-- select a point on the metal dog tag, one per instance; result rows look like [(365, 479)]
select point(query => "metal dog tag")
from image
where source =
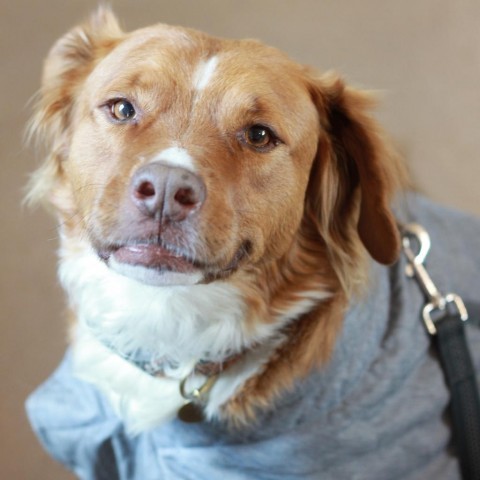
[(191, 412)]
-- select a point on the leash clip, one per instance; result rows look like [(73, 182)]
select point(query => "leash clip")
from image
[(438, 305)]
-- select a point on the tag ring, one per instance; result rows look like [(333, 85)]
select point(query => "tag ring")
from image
[(197, 394)]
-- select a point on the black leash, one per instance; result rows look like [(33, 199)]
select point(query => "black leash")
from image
[(444, 317), (465, 404)]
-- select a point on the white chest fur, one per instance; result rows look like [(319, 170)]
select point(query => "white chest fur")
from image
[(181, 324)]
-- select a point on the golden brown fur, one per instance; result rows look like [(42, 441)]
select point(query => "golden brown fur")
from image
[(310, 211)]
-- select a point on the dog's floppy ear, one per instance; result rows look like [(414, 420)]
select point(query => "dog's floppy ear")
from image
[(355, 173), (67, 66)]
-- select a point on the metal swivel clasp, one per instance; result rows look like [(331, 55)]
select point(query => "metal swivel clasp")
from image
[(416, 239)]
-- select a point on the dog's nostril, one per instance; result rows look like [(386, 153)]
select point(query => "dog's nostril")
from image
[(145, 189), (186, 197)]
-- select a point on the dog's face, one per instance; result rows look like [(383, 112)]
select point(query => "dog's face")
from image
[(183, 158), (190, 156)]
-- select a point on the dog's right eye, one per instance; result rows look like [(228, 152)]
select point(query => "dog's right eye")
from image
[(122, 110)]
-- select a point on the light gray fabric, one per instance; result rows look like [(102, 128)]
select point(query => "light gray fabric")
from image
[(377, 411)]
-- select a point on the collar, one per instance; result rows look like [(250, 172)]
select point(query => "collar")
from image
[(195, 398), (164, 367)]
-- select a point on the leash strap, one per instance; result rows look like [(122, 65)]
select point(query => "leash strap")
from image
[(444, 317), (465, 404)]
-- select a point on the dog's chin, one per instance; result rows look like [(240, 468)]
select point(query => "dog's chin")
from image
[(153, 265), (155, 276)]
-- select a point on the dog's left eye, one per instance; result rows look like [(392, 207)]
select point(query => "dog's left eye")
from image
[(122, 110), (259, 137)]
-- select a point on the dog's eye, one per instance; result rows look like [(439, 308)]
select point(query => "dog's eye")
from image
[(122, 110), (259, 136)]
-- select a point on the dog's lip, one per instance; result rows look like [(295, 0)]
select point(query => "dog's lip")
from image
[(160, 257), (150, 256)]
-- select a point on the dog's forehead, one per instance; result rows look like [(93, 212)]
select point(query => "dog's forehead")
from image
[(191, 59)]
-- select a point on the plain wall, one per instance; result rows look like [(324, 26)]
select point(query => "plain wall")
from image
[(423, 56)]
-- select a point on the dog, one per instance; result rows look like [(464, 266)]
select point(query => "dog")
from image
[(221, 210)]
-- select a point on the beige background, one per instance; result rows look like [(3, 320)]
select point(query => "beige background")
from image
[(424, 55)]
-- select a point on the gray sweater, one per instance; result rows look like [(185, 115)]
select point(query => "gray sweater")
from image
[(377, 411)]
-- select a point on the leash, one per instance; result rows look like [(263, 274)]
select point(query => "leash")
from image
[(444, 317)]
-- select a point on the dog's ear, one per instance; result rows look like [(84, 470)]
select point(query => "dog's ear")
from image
[(355, 174), (70, 61), (67, 66)]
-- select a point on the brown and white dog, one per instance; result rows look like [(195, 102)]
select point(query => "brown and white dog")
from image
[(217, 205)]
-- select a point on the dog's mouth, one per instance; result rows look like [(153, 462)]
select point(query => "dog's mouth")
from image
[(153, 256), (152, 264), (160, 265)]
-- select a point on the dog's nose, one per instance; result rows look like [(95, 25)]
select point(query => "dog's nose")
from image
[(166, 192)]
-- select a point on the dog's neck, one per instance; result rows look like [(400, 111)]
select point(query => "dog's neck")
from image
[(178, 324), (181, 325)]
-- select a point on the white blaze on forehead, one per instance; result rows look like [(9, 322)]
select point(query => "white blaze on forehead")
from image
[(175, 157), (204, 72)]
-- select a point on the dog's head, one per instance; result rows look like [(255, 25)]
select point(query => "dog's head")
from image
[(181, 158)]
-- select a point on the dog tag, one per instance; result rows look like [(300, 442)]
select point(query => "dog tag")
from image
[(191, 412)]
